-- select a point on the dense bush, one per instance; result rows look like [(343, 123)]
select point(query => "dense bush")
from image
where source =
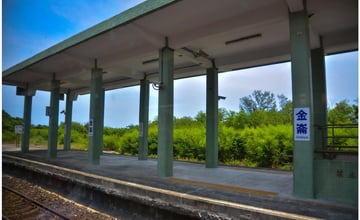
[(153, 140), (8, 127), (111, 143), (265, 146), (39, 136), (189, 143), (8, 136), (260, 138), (129, 142)]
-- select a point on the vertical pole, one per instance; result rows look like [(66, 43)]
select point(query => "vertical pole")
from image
[(68, 121), (96, 110), (143, 119), (319, 95), (102, 113), (211, 117), (53, 118), (302, 98), (27, 124), (166, 99)]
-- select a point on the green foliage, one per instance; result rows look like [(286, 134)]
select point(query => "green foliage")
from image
[(237, 120), (189, 143), (258, 100), (79, 128), (343, 138), (39, 136), (8, 122), (153, 139), (8, 127), (343, 113), (262, 137), (129, 142), (110, 143), (231, 145), (265, 146), (200, 117)]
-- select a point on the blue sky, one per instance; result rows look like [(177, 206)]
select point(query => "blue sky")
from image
[(31, 26)]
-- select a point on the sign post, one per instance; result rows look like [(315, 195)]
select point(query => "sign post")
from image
[(91, 127), (48, 111), (19, 130), (302, 124)]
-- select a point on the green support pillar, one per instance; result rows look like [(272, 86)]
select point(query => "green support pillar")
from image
[(68, 121), (319, 94), (166, 99), (143, 119), (96, 111), (102, 113), (212, 117), (25, 142), (302, 99), (54, 118)]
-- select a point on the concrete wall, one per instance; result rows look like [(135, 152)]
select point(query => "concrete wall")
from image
[(336, 180)]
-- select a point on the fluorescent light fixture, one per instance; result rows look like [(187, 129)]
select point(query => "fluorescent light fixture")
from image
[(150, 61), (243, 38)]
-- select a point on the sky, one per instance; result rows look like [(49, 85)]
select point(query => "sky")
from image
[(31, 26)]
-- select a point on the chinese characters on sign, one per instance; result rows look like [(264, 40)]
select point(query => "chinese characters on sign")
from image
[(91, 127), (48, 111), (302, 124)]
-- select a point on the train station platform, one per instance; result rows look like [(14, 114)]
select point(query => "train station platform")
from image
[(223, 192)]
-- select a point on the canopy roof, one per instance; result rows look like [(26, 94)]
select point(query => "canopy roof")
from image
[(234, 33)]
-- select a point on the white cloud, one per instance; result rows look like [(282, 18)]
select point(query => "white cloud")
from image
[(122, 107), (236, 84), (342, 77), (189, 96)]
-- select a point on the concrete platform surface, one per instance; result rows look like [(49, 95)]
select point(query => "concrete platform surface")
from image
[(263, 188)]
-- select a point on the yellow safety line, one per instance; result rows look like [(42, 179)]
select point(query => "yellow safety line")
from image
[(270, 212), (259, 170), (224, 187)]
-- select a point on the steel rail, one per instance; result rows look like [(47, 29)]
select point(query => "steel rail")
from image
[(36, 202)]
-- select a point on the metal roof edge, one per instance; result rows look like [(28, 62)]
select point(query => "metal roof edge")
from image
[(120, 19)]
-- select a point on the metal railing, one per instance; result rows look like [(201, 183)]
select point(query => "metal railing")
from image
[(338, 139)]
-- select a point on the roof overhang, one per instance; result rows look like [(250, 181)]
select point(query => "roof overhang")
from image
[(235, 33)]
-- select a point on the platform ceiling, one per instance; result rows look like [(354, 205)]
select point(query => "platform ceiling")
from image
[(235, 33)]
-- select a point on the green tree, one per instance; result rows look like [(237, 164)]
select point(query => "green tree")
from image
[(183, 122), (237, 120), (342, 113), (283, 101), (201, 117), (8, 126), (355, 115), (258, 100), (285, 115)]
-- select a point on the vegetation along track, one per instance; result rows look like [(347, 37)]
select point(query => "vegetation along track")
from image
[(24, 200)]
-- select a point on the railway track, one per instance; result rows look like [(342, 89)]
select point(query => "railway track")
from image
[(23, 200), (20, 206)]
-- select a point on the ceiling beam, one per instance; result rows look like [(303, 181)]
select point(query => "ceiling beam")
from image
[(199, 57), (295, 5)]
